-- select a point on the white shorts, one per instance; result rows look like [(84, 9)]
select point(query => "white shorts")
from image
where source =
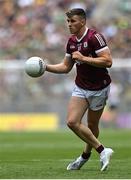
[(96, 99)]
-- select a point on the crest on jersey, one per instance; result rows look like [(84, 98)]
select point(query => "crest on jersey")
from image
[(79, 46)]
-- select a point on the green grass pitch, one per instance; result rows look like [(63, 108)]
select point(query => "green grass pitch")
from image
[(45, 155)]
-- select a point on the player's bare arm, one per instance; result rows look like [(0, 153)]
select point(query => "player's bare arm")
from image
[(104, 59), (61, 68)]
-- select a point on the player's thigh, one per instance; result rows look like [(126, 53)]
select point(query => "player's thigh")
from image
[(76, 109), (93, 117)]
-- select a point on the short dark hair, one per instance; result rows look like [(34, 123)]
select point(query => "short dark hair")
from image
[(76, 11)]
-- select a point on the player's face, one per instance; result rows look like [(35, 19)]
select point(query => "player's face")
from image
[(75, 23)]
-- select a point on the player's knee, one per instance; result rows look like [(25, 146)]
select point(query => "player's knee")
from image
[(72, 124)]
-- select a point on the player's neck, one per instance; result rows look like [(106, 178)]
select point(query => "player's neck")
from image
[(81, 32)]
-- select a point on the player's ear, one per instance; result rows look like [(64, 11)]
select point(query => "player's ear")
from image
[(83, 22)]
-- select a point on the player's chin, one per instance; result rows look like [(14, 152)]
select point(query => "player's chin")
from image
[(72, 31)]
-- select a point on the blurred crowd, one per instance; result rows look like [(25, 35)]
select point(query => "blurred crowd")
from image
[(38, 27)]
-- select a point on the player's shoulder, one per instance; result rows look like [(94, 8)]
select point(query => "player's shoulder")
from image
[(72, 38), (96, 37), (93, 33)]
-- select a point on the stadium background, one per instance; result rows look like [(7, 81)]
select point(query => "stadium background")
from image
[(37, 28)]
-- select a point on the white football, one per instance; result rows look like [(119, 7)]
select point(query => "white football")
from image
[(35, 66)]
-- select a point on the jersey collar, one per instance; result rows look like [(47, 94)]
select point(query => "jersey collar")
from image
[(82, 36)]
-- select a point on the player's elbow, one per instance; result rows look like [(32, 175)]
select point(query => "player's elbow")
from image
[(109, 64), (67, 71)]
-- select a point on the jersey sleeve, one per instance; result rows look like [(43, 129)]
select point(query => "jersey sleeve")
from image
[(68, 52), (98, 42)]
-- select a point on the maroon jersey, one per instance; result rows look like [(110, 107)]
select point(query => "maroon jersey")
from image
[(89, 77)]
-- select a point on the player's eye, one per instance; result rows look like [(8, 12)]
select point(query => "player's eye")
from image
[(68, 21), (72, 21)]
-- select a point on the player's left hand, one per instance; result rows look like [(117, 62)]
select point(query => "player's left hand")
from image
[(77, 56)]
